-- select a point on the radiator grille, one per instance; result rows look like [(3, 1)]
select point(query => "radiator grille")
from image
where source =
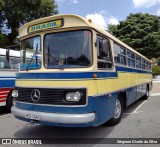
[(49, 96)]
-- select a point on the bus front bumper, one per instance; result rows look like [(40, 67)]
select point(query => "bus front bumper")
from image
[(54, 117)]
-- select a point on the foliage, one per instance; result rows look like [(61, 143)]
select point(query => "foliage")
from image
[(17, 12), (156, 70), (3, 40), (141, 32), (1, 14), (158, 61)]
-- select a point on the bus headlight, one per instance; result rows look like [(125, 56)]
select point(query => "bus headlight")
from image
[(15, 93), (73, 96)]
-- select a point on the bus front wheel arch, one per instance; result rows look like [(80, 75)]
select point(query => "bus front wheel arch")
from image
[(118, 111)]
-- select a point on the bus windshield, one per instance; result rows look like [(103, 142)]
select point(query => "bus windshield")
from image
[(31, 54), (68, 49)]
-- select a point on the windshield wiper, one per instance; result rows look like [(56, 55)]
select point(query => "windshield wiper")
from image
[(34, 55), (53, 59)]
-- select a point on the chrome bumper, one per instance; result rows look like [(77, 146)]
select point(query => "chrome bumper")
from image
[(56, 117)]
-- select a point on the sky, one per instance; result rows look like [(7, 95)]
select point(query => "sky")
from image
[(104, 12)]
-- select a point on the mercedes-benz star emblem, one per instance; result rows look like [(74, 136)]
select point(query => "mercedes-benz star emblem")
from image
[(35, 95)]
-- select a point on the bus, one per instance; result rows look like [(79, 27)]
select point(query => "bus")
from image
[(9, 65), (79, 74)]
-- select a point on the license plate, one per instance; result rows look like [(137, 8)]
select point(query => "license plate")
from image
[(33, 116)]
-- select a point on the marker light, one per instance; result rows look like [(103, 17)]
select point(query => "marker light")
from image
[(15, 93), (90, 20), (73, 96)]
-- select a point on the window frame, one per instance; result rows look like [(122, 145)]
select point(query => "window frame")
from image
[(120, 55), (90, 30), (110, 52), (39, 35), (131, 59), (138, 61)]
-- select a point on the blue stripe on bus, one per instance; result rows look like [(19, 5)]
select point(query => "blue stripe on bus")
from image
[(78, 75), (7, 83), (82, 75), (7, 77), (126, 69)]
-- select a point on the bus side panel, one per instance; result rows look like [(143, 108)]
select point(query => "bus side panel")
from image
[(7, 83), (139, 92), (105, 106), (5, 87), (131, 95), (144, 86)]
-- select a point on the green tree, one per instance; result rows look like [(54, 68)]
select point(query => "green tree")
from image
[(3, 40), (2, 3), (156, 70), (141, 32), (18, 12), (158, 61)]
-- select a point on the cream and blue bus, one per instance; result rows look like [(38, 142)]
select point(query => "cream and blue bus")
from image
[(79, 74)]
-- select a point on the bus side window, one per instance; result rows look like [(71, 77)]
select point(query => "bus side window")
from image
[(103, 53), (131, 59), (119, 54)]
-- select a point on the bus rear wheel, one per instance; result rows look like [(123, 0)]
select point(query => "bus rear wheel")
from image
[(147, 95), (117, 112)]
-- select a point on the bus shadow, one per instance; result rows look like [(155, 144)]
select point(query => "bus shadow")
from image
[(3, 111), (133, 108)]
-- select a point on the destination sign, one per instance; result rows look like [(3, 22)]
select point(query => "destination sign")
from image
[(46, 25)]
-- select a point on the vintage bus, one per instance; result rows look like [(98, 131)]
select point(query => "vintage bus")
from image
[(9, 65), (79, 74)]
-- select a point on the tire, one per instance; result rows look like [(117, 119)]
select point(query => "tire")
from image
[(147, 95), (117, 113), (9, 102)]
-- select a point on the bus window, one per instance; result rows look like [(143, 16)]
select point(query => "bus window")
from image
[(31, 53), (119, 54), (15, 62), (4, 63), (116, 53), (131, 59), (138, 62), (147, 66), (70, 49), (103, 53), (143, 64)]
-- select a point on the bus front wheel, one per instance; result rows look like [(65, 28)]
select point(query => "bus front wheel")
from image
[(117, 112)]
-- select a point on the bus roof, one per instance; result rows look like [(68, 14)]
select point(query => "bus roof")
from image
[(67, 21), (12, 53), (2, 51)]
